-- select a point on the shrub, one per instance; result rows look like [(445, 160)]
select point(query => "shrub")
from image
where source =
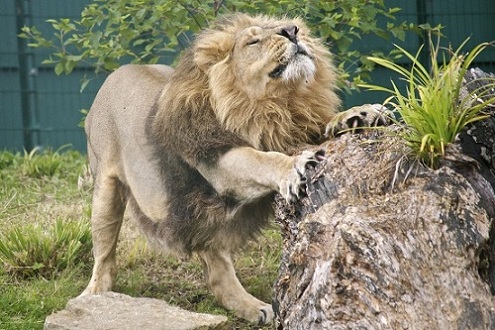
[(112, 32)]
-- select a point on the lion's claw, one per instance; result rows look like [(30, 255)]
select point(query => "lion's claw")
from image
[(296, 180), (357, 118)]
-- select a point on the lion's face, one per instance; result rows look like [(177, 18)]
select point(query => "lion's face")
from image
[(272, 54), (258, 55)]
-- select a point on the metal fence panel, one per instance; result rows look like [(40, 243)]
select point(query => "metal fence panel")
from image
[(38, 108), (10, 114)]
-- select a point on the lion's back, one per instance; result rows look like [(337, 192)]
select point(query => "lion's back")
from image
[(128, 88), (116, 123)]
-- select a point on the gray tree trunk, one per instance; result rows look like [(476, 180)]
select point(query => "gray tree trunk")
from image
[(381, 242)]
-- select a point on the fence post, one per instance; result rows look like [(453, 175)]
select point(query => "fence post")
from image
[(27, 77), (423, 16)]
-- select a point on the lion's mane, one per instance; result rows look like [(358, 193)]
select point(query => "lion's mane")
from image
[(205, 80)]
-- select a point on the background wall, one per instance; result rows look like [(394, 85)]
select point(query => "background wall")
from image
[(38, 108)]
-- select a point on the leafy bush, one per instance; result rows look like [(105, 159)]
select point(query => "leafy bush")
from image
[(27, 251), (112, 32), (432, 109)]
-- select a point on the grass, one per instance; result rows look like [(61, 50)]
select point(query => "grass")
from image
[(39, 190), (432, 109), (31, 250)]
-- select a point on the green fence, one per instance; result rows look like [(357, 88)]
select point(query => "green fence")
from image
[(38, 108)]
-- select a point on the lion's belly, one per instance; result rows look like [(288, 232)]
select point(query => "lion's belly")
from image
[(146, 186), (140, 167)]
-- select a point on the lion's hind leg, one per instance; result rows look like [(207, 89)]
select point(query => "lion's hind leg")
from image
[(223, 282), (106, 220)]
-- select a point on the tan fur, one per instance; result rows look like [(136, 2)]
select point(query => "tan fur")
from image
[(196, 154)]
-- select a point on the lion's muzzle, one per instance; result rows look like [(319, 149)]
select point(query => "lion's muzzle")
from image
[(290, 32)]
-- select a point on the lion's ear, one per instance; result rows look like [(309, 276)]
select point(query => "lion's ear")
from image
[(212, 48)]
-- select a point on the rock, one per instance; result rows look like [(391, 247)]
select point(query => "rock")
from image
[(112, 310)]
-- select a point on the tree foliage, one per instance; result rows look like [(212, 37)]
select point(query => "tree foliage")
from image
[(112, 32)]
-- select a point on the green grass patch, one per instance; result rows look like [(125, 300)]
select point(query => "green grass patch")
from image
[(24, 304), (29, 250)]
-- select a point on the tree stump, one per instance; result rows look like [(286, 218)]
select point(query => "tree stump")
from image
[(381, 242)]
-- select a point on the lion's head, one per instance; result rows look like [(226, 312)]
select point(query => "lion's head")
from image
[(265, 79)]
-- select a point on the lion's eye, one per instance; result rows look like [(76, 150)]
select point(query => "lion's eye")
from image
[(252, 42)]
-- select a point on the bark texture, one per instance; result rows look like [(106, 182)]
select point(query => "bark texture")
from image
[(381, 242)]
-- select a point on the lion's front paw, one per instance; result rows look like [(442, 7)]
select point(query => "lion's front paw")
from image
[(357, 118), (290, 188)]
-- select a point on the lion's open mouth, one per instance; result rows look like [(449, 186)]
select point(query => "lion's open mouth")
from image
[(297, 59), (278, 71), (303, 52)]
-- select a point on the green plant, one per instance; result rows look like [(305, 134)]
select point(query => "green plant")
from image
[(432, 109), (112, 32), (6, 159), (39, 163), (28, 250), (36, 164)]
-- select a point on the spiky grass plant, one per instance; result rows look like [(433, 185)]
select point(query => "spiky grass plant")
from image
[(432, 109), (38, 162), (27, 251)]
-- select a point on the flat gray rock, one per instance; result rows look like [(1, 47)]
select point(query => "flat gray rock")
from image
[(112, 310)]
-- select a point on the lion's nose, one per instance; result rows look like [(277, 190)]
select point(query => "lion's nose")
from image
[(290, 32)]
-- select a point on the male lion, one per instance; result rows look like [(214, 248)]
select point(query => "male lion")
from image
[(196, 154)]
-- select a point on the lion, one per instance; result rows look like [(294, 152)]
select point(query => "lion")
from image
[(196, 154)]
